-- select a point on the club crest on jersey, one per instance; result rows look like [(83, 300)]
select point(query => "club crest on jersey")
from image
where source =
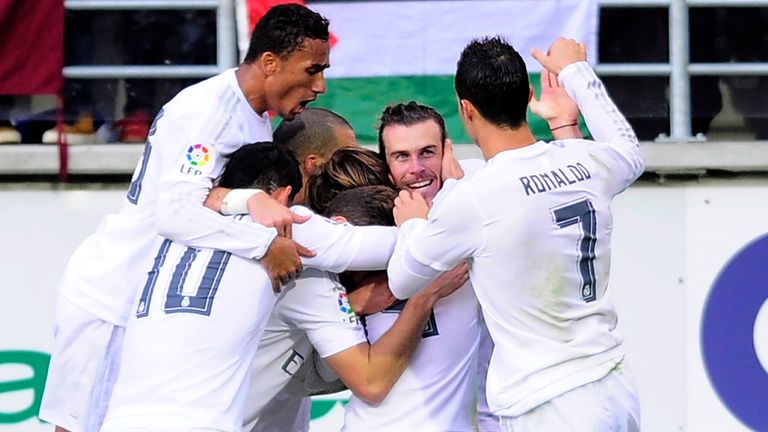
[(345, 307), (197, 156)]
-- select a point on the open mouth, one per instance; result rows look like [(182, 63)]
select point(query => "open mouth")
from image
[(303, 104), (421, 184)]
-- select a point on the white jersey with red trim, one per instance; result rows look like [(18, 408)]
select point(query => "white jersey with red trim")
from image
[(188, 146), (536, 224)]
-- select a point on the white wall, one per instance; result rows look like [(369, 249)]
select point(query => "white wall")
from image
[(670, 244)]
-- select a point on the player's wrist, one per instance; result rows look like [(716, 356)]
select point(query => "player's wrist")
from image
[(561, 124), (236, 201)]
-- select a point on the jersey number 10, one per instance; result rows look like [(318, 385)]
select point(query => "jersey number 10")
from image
[(176, 301)]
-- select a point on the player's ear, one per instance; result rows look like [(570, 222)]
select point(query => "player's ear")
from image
[(339, 219), (466, 110), (311, 164), (283, 195), (269, 62), (530, 93)]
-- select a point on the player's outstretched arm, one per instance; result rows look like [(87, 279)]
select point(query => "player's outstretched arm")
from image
[(604, 120), (282, 260), (556, 108), (425, 248), (341, 247), (371, 371), (262, 208), (182, 187)]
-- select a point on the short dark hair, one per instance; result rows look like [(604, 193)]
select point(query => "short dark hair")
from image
[(262, 165), (311, 131), (367, 205), (283, 29), (347, 168), (493, 76), (408, 114)]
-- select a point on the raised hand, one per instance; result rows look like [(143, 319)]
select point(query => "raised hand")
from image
[(556, 107), (282, 261), (560, 54), (409, 206), (270, 212), (450, 281), (450, 166)]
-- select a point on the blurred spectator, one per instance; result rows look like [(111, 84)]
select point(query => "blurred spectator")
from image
[(8, 133), (122, 109), (742, 36)]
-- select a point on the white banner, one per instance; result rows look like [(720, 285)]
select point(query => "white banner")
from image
[(426, 37)]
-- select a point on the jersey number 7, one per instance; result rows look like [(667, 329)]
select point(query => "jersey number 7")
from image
[(583, 213)]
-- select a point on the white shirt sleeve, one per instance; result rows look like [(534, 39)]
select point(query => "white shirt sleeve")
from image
[(184, 184), (318, 305), (614, 137), (340, 247), (425, 249)]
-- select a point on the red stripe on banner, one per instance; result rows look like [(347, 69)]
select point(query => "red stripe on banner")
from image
[(31, 46), (257, 9)]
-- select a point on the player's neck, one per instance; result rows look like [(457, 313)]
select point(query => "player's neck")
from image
[(493, 140), (250, 82)]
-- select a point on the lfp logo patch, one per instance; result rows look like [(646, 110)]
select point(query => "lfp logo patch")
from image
[(345, 307), (197, 155)]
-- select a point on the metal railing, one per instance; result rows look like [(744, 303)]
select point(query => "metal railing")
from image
[(680, 69), (226, 50)]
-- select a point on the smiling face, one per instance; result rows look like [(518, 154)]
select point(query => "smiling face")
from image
[(414, 155), (297, 78)]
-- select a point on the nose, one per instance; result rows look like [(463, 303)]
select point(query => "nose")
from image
[(318, 84), (415, 166)]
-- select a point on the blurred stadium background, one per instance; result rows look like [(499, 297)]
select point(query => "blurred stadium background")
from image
[(80, 81)]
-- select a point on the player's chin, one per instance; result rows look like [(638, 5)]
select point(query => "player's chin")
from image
[(289, 115), (428, 192)]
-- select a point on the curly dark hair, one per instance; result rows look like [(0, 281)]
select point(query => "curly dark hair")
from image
[(283, 29)]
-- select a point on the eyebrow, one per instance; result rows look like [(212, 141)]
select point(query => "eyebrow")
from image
[(399, 152)]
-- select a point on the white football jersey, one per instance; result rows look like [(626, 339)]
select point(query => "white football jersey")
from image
[(314, 312), (188, 145), (536, 224), (436, 392), (187, 350), (200, 314), (437, 378)]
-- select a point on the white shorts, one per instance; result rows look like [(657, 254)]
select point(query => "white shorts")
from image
[(82, 370), (609, 404)]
